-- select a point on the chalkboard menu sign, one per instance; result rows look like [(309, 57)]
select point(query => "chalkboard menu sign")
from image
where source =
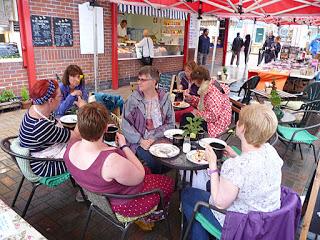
[(166, 82), (41, 31), (63, 35)]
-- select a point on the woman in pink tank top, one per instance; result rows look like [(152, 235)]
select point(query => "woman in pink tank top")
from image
[(102, 169)]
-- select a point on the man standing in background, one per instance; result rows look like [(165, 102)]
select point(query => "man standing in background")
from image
[(203, 47), (122, 30), (236, 48)]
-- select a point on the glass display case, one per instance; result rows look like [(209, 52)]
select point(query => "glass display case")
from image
[(167, 36), (159, 51)]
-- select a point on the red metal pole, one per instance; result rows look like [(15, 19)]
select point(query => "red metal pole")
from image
[(225, 43), (114, 45), (186, 40), (26, 40)]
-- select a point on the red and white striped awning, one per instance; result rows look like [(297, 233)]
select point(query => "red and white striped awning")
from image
[(271, 10)]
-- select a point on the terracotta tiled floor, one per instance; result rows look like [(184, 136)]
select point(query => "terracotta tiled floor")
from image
[(56, 214)]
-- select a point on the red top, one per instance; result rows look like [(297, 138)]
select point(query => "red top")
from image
[(92, 180)]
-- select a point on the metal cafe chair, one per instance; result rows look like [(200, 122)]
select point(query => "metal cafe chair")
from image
[(101, 205), (290, 201), (248, 85), (21, 158), (303, 132)]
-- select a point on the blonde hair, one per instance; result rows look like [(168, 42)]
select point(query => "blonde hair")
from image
[(259, 122)]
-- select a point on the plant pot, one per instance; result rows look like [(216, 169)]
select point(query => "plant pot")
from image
[(26, 104)]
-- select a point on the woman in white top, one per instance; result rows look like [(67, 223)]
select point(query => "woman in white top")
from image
[(146, 45), (247, 182)]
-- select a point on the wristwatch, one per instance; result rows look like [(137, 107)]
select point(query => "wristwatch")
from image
[(211, 171), (122, 147)]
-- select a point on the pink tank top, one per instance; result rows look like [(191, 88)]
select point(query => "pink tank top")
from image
[(92, 180)]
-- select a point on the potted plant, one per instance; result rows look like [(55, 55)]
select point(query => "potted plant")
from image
[(26, 101), (276, 101), (193, 127), (224, 76), (8, 100)]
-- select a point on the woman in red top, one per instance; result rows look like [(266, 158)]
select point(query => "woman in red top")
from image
[(213, 105), (102, 169)]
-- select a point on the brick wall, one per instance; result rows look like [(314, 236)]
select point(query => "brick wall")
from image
[(52, 60), (13, 76)]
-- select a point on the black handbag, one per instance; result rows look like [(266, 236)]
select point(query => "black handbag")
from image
[(146, 60)]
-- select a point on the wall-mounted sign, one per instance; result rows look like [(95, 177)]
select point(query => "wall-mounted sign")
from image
[(63, 34), (41, 31)]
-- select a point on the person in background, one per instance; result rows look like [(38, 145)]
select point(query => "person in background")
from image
[(72, 89), (39, 130), (203, 47), (247, 182), (315, 46), (213, 105), (146, 44), (277, 47), (269, 48), (92, 164), (122, 30), (236, 48), (185, 78), (246, 48), (147, 113)]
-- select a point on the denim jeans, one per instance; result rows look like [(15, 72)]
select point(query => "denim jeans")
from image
[(202, 58), (190, 196), (152, 163)]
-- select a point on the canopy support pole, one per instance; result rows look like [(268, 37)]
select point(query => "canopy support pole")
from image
[(214, 50), (196, 49), (95, 49), (114, 46), (225, 42), (186, 39)]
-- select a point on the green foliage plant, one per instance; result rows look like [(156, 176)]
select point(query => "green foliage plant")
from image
[(192, 127), (24, 94)]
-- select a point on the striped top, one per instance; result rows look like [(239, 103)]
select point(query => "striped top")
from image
[(39, 134)]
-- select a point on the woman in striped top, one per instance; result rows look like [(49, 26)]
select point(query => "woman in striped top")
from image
[(38, 129)]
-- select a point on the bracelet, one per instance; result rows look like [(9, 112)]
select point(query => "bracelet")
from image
[(210, 171), (122, 147)]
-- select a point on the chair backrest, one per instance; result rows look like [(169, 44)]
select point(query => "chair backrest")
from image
[(313, 105), (310, 118), (250, 84), (266, 225), (20, 157), (134, 86), (102, 203), (313, 91)]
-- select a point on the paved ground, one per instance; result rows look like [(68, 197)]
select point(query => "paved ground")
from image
[(56, 214)]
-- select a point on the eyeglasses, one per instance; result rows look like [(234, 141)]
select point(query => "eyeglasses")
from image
[(144, 79)]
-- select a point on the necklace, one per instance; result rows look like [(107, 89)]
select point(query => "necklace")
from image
[(41, 115)]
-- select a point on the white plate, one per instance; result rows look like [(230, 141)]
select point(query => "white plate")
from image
[(169, 133), (181, 105), (69, 119), (197, 157), (205, 141), (164, 150)]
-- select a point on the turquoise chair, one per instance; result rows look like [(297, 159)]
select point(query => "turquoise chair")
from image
[(203, 221), (302, 132), (21, 158)]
